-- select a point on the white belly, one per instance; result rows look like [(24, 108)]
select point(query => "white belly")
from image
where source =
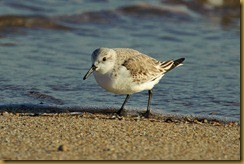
[(122, 84)]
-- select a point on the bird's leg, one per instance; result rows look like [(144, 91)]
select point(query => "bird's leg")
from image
[(148, 112), (122, 111)]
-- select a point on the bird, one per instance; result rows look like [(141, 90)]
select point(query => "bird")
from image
[(128, 71)]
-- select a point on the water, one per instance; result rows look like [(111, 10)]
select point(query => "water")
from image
[(44, 58)]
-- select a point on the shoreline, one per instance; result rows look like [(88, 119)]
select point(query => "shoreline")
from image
[(87, 136), (42, 109)]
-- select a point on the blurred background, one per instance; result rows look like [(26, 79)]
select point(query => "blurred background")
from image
[(45, 49)]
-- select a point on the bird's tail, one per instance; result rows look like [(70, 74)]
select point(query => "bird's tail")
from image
[(169, 65), (178, 62)]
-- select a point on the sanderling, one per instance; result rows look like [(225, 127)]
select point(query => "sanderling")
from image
[(127, 71)]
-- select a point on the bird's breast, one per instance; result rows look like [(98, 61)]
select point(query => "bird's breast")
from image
[(115, 82)]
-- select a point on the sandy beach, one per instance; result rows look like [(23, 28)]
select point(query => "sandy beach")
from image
[(89, 136)]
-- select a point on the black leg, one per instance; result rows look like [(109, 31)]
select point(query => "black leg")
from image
[(148, 112), (122, 111)]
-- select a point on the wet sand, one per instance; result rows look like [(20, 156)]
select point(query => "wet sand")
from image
[(89, 136)]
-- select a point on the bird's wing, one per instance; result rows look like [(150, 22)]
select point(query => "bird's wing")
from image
[(144, 68)]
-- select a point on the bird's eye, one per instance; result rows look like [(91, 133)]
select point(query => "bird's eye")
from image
[(104, 59)]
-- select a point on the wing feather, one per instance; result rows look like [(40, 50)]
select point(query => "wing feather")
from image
[(144, 68)]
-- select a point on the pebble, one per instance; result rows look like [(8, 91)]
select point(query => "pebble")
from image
[(5, 114), (197, 122), (113, 117), (168, 120), (63, 147), (216, 123)]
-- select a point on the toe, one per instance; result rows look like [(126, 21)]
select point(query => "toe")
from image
[(122, 113), (147, 114)]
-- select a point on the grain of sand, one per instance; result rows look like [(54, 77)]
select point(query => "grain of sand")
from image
[(106, 137)]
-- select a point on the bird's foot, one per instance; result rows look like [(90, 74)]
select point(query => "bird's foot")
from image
[(121, 112), (147, 114)]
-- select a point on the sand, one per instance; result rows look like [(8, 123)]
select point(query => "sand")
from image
[(89, 136)]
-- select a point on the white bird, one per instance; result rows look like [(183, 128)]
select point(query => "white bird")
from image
[(127, 71)]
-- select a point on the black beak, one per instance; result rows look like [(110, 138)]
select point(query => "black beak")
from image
[(93, 68)]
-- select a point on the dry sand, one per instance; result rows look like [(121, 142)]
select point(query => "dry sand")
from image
[(106, 137)]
